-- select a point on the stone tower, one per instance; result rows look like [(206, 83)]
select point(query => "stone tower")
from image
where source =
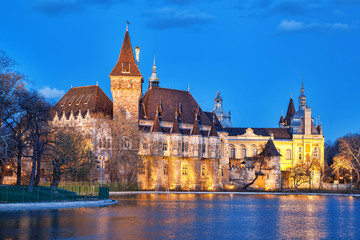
[(126, 82)]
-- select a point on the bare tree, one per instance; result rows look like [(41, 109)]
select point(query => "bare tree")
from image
[(70, 153), (37, 117), (348, 158), (123, 148)]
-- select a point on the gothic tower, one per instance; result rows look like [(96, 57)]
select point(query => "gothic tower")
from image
[(126, 82)]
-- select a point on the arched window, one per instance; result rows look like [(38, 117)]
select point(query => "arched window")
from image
[(108, 143), (100, 143), (104, 143), (232, 152), (288, 154), (243, 152)]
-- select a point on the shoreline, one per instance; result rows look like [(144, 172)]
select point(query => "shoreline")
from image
[(5, 207), (235, 193)]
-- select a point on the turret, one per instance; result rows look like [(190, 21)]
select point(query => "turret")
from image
[(154, 79)]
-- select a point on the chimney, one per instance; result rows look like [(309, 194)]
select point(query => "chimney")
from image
[(137, 52)]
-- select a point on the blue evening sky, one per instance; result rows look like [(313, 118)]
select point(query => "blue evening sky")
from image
[(255, 52)]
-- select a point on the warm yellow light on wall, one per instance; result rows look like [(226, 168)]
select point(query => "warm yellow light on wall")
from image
[(8, 166), (210, 188)]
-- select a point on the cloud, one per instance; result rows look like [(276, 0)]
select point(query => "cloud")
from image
[(51, 93), (290, 26), (279, 7), (167, 17), (55, 7)]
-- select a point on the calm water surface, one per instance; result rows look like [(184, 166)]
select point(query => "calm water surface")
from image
[(190, 216)]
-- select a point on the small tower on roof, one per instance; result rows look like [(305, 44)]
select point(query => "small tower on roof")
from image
[(302, 98), (154, 79), (224, 118)]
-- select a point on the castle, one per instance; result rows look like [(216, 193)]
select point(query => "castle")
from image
[(183, 147)]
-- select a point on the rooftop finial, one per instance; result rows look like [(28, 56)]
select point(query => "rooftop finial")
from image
[(127, 25), (154, 79)]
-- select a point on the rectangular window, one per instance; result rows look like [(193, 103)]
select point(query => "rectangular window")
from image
[(288, 154), (165, 169), (203, 148), (165, 146), (184, 170), (203, 171), (300, 151), (186, 147)]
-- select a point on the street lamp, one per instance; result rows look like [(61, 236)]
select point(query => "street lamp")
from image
[(100, 164)]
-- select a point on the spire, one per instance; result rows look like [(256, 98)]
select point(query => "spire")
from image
[(270, 149), (290, 113), (156, 125), (175, 129), (154, 79), (302, 98), (281, 120), (126, 65), (213, 132), (196, 128)]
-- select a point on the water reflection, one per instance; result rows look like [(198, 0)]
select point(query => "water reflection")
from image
[(191, 216)]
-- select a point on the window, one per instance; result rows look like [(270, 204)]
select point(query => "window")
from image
[(141, 168), (315, 152), (183, 147), (288, 154), (108, 144), (180, 146), (203, 171), (100, 143), (300, 152), (165, 169), (175, 147), (186, 147), (221, 148), (232, 152), (126, 67), (255, 152), (203, 148), (243, 152), (195, 148), (165, 146), (222, 171), (145, 145), (184, 170)]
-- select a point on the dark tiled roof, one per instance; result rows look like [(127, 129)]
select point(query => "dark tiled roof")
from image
[(171, 100), (279, 133), (270, 149), (77, 99), (126, 59), (290, 112)]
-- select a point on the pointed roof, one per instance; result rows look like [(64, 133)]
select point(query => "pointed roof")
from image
[(290, 112), (270, 149), (156, 125), (213, 132), (196, 129), (175, 129), (282, 119), (125, 65)]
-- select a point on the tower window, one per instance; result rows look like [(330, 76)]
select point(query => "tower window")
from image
[(288, 154), (184, 170), (126, 68)]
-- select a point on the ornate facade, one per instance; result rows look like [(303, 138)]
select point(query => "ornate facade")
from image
[(182, 146)]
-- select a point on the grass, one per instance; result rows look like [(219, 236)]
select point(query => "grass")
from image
[(20, 194)]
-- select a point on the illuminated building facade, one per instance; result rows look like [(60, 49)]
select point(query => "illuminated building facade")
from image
[(183, 147)]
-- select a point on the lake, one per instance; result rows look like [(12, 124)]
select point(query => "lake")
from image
[(191, 216)]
